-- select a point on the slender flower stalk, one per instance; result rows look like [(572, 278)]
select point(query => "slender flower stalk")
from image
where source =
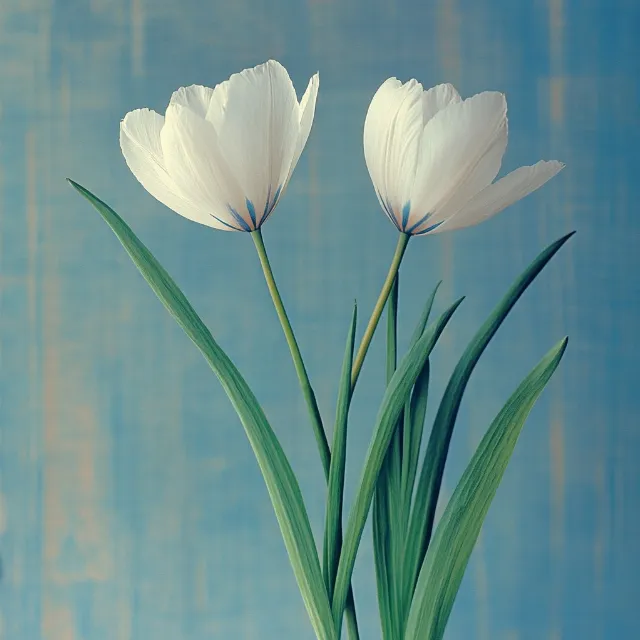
[(303, 377), (309, 396), (403, 239)]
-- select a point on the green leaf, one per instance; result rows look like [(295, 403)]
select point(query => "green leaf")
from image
[(382, 555), (413, 434), (413, 426), (393, 401), (281, 482), (457, 532), (428, 489), (415, 410), (387, 525), (392, 499), (424, 317), (333, 524)]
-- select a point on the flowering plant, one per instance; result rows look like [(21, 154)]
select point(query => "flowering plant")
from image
[(223, 157)]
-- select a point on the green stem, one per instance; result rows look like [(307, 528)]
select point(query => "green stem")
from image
[(309, 396), (377, 310), (305, 384)]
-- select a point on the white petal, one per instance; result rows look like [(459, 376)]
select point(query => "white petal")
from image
[(140, 144), (257, 119), (306, 113), (460, 154), (437, 98), (195, 98), (496, 197), (193, 159), (392, 133)]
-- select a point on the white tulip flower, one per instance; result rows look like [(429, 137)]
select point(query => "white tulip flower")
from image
[(222, 157), (432, 157)]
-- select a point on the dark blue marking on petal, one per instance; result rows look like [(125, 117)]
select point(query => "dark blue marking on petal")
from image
[(267, 203), (405, 215), (226, 224), (431, 228), (276, 197), (239, 219), (270, 207), (252, 212), (390, 214), (383, 204), (420, 222)]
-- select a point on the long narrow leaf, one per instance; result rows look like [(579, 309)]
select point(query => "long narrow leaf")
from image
[(413, 434), (382, 555), (428, 489), (424, 316), (414, 414), (392, 404), (387, 527), (415, 411), (457, 531), (281, 483), (333, 524)]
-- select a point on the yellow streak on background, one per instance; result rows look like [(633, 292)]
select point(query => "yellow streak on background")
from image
[(556, 433), (138, 16)]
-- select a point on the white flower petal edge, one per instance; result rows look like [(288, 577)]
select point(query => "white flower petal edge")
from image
[(429, 165), (140, 144), (461, 153), (223, 156), (499, 195), (392, 131), (193, 159)]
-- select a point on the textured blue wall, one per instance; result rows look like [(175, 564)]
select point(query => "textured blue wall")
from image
[(131, 506)]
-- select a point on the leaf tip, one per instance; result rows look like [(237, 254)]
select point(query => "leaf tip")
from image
[(558, 351), (565, 237), (78, 187)]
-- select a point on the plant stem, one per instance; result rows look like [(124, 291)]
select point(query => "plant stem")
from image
[(305, 384), (309, 396), (377, 310)]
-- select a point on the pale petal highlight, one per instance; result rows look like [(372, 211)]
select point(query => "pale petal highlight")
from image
[(437, 98), (142, 151), (503, 193), (194, 161), (461, 153), (392, 134), (257, 125)]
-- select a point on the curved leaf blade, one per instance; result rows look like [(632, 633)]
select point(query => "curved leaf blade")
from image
[(333, 521), (390, 409), (455, 537), (414, 413), (386, 522), (428, 490), (281, 482)]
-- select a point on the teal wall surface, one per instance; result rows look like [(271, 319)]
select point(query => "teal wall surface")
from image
[(131, 507)]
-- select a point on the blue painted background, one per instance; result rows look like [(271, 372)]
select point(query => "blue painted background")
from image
[(130, 504)]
